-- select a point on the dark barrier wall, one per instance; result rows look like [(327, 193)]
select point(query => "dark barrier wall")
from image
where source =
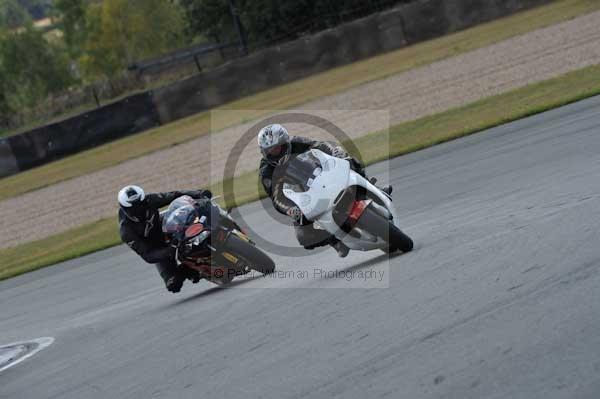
[(281, 64), (8, 162), (268, 68), (432, 18), (48, 143), (354, 41)]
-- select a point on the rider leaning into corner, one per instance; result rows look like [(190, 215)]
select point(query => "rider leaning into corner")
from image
[(140, 227), (276, 146)]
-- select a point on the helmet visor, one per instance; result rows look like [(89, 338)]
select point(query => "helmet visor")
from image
[(276, 152)]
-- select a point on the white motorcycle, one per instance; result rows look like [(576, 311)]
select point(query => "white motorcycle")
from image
[(344, 203)]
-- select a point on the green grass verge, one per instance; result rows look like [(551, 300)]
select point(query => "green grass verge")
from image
[(400, 139), (68, 245), (296, 93)]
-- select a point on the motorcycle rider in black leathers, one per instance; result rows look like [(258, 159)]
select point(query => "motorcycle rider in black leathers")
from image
[(276, 146), (140, 227)]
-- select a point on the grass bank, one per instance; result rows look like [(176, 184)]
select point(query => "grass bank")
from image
[(296, 93), (402, 139)]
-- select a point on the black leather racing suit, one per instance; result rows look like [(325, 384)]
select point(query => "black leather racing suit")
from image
[(145, 236), (307, 235)]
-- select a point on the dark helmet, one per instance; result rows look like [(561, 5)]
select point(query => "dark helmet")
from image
[(131, 200)]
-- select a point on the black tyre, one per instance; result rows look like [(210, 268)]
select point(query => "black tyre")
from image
[(400, 241), (385, 229), (256, 259)]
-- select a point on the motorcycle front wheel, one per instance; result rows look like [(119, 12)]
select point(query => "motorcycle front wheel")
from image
[(256, 259), (385, 229)]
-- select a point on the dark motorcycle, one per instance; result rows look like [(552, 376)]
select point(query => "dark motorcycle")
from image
[(209, 241)]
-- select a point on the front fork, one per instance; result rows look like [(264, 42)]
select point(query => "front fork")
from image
[(226, 264)]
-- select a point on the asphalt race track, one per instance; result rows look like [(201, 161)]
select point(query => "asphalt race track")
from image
[(500, 298)]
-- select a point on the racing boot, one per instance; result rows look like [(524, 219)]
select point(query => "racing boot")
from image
[(174, 283), (171, 276), (192, 275), (341, 248)]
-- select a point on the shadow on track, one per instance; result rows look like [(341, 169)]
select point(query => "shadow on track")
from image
[(214, 290)]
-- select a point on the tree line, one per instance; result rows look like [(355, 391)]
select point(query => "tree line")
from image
[(15, 13), (98, 39)]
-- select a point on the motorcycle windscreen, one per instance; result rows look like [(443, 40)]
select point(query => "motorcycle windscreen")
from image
[(176, 222), (180, 202), (184, 214), (177, 203), (300, 171)]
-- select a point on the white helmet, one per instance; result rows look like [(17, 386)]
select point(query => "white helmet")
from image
[(274, 142), (131, 200), (129, 195)]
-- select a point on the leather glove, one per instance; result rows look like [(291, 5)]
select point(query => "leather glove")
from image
[(295, 213), (203, 194), (356, 166), (354, 162)]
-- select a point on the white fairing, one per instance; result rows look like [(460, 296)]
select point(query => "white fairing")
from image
[(317, 204)]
